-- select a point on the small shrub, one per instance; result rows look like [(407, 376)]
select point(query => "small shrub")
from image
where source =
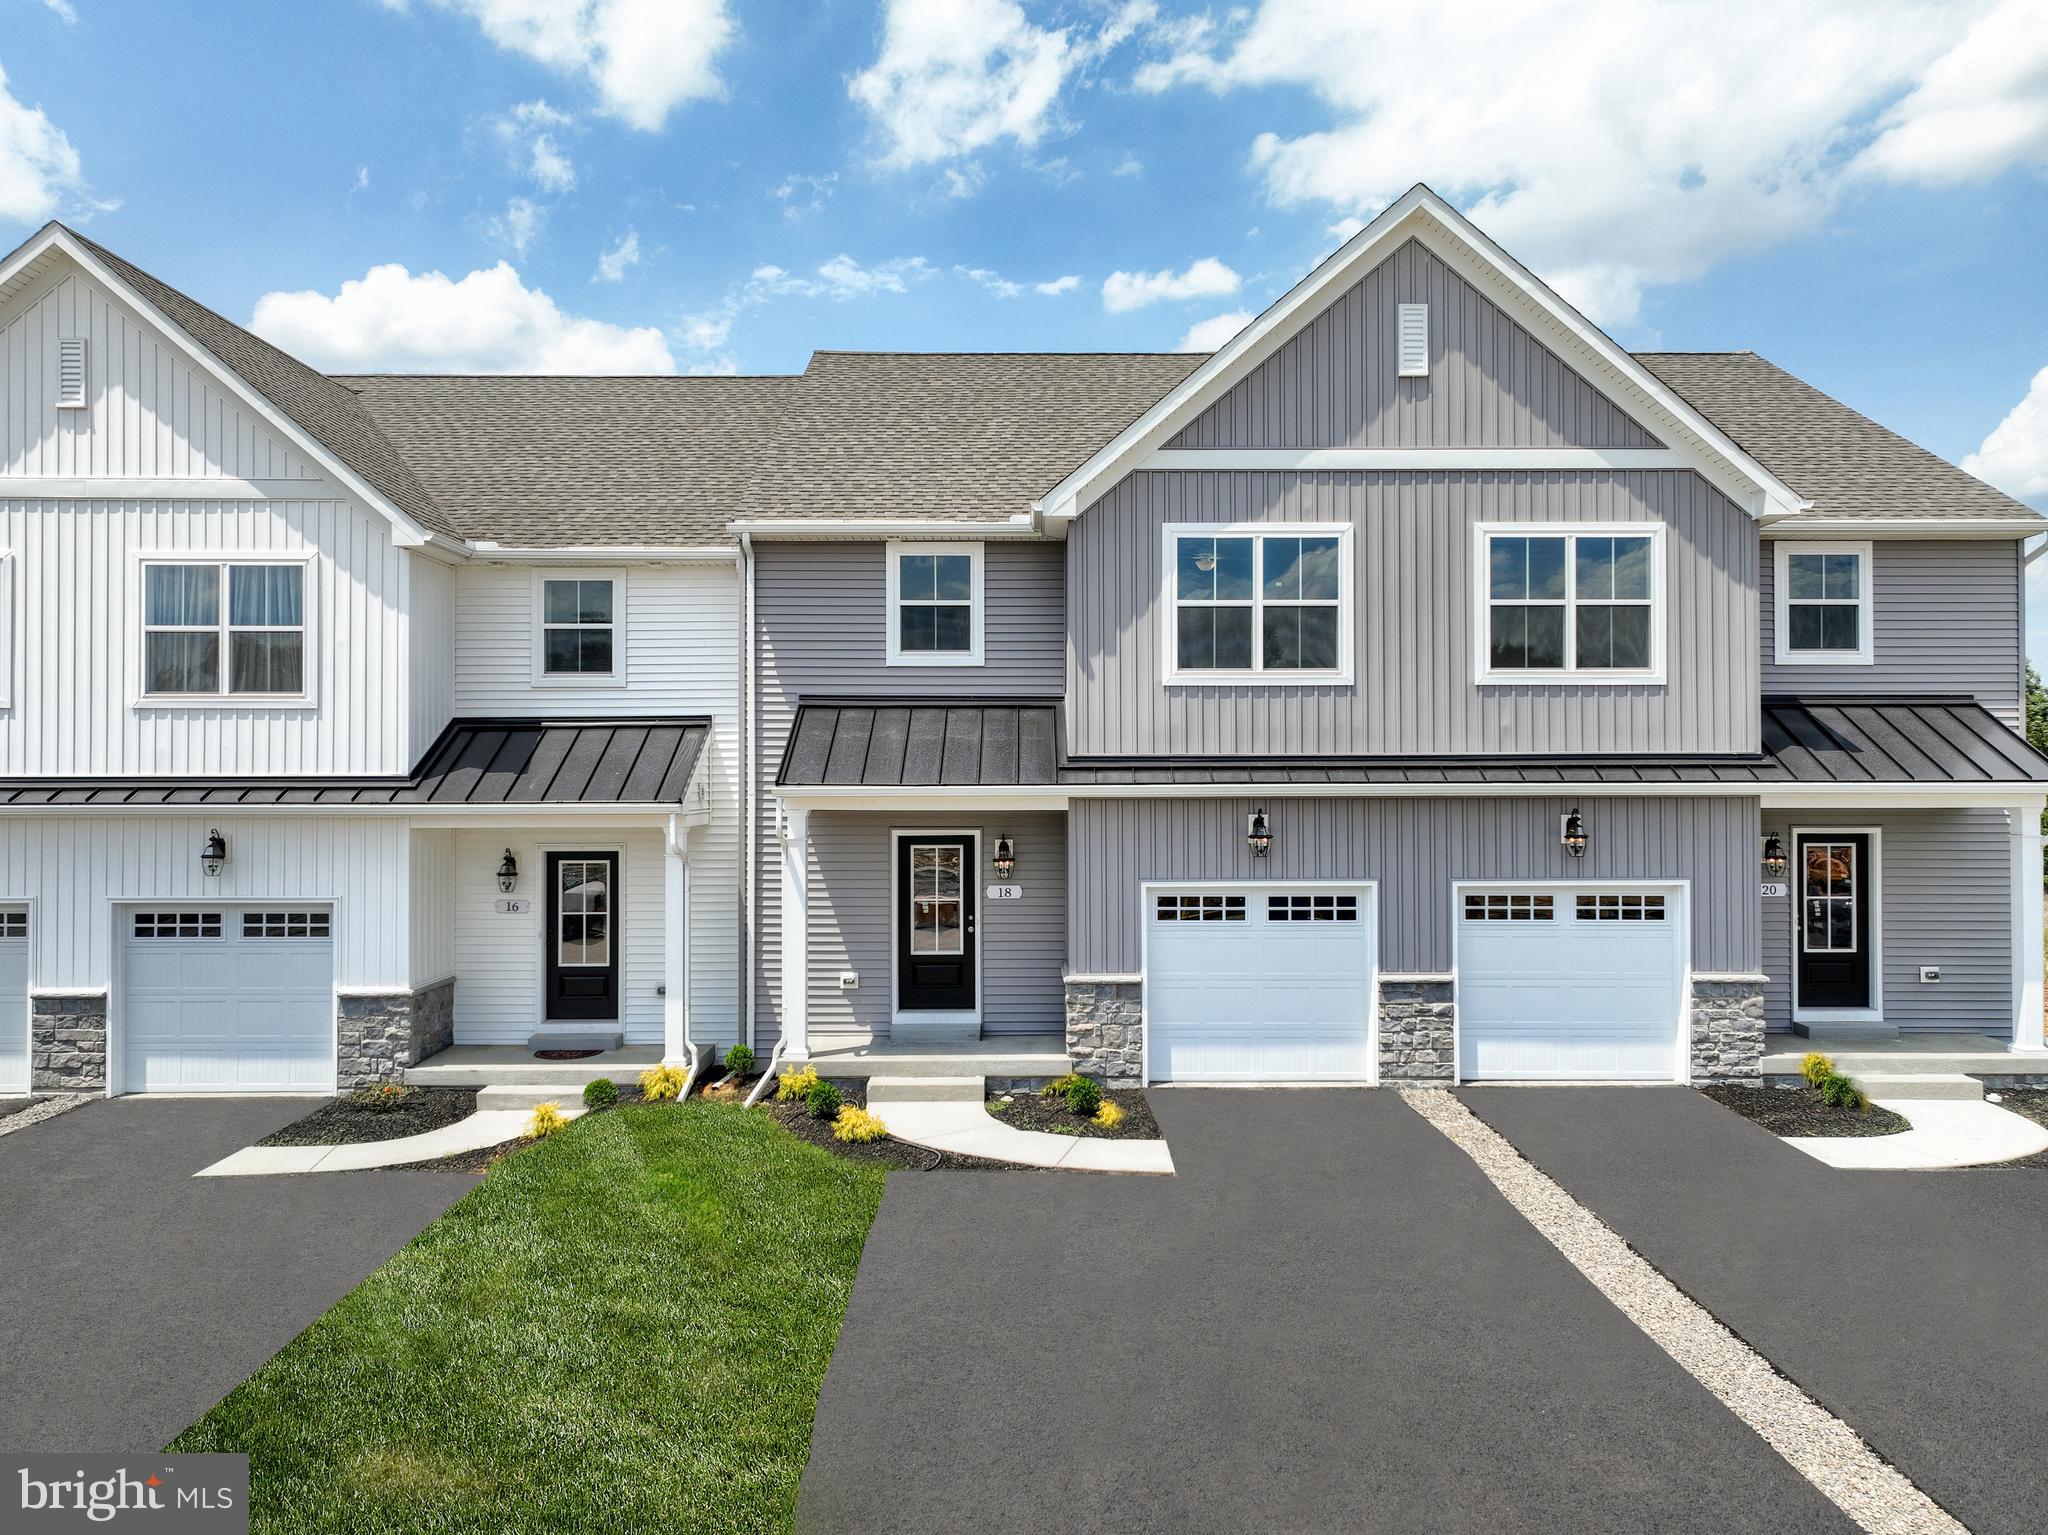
[(601, 1094), (1109, 1116), (661, 1082), (547, 1119), (1838, 1092), (792, 1086), (739, 1060), (857, 1125), (822, 1101), (382, 1098), (1084, 1096), (1816, 1068), (1058, 1087)]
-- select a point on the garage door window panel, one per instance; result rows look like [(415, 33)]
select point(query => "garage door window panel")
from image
[(13, 924)]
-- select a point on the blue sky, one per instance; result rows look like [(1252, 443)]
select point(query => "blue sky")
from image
[(1854, 189)]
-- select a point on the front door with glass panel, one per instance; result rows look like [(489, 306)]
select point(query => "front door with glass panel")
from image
[(1834, 920), (935, 924), (583, 936)]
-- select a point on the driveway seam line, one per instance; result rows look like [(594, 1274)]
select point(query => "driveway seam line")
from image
[(1821, 1447)]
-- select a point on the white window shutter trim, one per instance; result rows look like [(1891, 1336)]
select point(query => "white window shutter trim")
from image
[(1414, 348), (71, 373)]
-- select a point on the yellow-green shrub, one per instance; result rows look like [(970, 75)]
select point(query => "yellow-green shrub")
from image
[(857, 1125), (659, 1082), (792, 1086), (1109, 1116), (1816, 1068), (547, 1119)]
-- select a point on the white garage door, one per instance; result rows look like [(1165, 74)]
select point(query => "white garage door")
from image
[(13, 1002), (228, 1000), (1569, 984), (1260, 984)]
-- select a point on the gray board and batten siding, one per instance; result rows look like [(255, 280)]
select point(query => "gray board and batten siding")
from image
[(1414, 692)]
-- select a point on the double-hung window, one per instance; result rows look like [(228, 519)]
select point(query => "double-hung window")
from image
[(1823, 604), (1270, 603), (935, 604), (579, 624), (234, 630), (1582, 603)]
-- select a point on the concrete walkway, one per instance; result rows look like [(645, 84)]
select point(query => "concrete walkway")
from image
[(1945, 1133), (490, 1128), (969, 1130)]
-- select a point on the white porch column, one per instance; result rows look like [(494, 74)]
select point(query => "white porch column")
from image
[(2026, 928), (796, 925), (675, 1012)]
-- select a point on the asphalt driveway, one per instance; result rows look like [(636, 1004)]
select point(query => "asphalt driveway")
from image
[(1909, 1304), (136, 1296), (1328, 1321)]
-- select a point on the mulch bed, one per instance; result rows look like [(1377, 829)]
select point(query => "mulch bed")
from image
[(16, 1105), (1800, 1111), (891, 1155), (1028, 1111), (342, 1123)]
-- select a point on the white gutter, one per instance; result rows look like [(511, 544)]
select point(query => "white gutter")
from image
[(1775, 792), (1018, 525), (598, 554), (768, 1071), (751, 792)]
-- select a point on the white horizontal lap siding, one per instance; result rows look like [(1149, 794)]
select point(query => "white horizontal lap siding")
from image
[(682, 658), (78, 589), (149, 413), (74, 868)]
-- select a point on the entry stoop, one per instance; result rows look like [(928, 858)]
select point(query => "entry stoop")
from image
[(884, 1090), (1939, 1085)]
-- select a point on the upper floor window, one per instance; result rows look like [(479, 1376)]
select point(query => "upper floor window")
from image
[(229, 629), (935, 604), (579, 623), (1823, 604), (1268, 602), (1582, 602)]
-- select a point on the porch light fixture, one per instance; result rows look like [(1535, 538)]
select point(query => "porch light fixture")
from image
[(1573, 837), (214, 855), (1006, 858), (1776, 866), (1258, 835), (508, 873)]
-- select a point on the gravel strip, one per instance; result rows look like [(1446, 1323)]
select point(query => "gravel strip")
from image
[(42, 1109), (1815, 1443)]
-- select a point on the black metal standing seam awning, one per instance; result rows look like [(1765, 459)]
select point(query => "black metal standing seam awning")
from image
[(903, 743), (508, 762)]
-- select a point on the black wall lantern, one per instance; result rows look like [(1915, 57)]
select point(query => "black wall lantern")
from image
[(1006, 858), (214, 855), (1258, 835), (1574, 835), (508, 873), (1775, 864)]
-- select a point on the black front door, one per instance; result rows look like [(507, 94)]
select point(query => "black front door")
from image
[(1833, 869), (935, 924), (582, 935)]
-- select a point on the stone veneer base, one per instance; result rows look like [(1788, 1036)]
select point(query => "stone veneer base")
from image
[(1728, 1032), (382, 1033), (1418, 1042), (67, 1043), (1106, 1030)]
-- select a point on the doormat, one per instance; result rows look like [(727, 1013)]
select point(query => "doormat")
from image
[(565, 1055)]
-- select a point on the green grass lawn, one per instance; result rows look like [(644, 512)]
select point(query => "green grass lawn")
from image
[(623, 1328)]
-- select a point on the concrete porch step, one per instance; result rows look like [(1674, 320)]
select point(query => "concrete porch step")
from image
[(523, 1099), (514, 1066), (887, 1090), (577, 1039), (1892, 1085), (1016, 1055)]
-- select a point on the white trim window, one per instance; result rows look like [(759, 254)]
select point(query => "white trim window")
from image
[(581, 618), (224, 629), (1583, 602), (1262, 600), (935, 609), (1822, 594)]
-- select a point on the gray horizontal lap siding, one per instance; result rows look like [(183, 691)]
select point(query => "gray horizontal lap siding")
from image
[(1950, 618), (821, 630), (1412, 553), (1945, 899), (1414, 849), (1023, 943), (1490, 383)]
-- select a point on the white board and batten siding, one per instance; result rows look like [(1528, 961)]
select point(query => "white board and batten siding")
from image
[(14, 951)]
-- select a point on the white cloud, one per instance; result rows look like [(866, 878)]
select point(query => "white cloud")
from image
[(2014, 457), (1615, 144), (614, 261), (1129, 165), (1058, 285), (1003, 287), (645, 57), (1207, 335), (962, 180), (1205, 278), (362, 181), (519, 225), (63, 10), (708, 332), (40, 174), (956, 76), (489, 322), (802, 195), (529, 133)]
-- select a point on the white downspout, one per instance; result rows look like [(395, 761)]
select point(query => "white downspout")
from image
[(676, 965), (750, 791)]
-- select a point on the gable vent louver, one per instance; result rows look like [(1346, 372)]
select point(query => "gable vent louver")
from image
[(1414, 341), (71, 373)]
